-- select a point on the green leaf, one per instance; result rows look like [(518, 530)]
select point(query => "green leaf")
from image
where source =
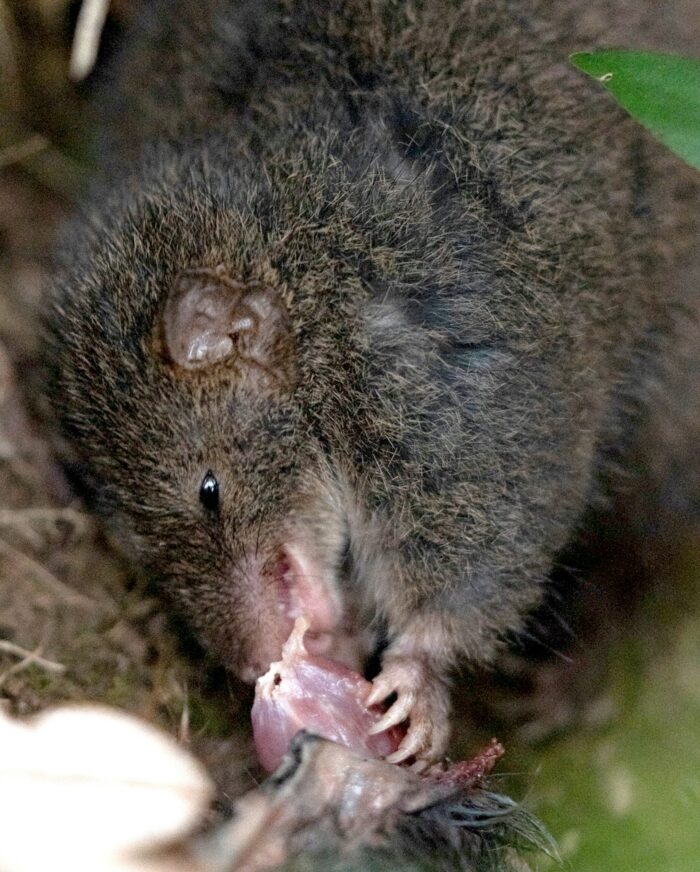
[(660, 91)]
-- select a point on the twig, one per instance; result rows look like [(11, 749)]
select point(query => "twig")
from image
[(14, 153), (48, 579), (29, 657), (86, 41), (184, 731), (39, 525)]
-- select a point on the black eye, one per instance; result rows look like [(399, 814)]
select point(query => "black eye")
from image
[(209, 492)]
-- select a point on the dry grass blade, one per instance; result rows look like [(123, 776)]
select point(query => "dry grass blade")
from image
[(15, 153), (39, 527), (28, 658), (36, 571)]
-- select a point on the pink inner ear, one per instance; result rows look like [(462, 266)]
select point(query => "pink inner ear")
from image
[(199, 319)]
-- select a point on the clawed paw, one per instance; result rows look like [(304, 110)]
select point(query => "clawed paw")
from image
[(422, 698)]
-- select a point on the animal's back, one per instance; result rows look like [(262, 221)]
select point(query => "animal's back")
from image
[(484, 88)]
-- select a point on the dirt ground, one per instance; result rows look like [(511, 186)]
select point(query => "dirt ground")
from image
[(77, 624)]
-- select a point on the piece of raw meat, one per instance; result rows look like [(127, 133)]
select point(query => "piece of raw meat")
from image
[(306, 692)]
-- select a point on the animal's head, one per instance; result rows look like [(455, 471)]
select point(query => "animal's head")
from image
[(175, 353), (237, 344)]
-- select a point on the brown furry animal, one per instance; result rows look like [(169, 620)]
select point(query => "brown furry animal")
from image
[(364, 312)]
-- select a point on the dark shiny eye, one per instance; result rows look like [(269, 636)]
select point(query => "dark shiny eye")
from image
[(209, 492)]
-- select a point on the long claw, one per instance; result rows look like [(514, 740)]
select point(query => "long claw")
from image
[(411, 746), (422, 700), (398, 712), (380, 691), (399, 756)]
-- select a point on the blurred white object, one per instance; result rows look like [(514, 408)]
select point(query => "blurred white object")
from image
[(89, 788), (86, 42)]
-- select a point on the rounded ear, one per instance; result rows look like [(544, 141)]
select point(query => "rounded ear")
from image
[(199, 317), (211, 319)]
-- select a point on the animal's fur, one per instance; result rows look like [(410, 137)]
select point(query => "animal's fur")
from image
[(483, 264)]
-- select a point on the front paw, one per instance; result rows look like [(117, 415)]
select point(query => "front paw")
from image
[(422, 698)]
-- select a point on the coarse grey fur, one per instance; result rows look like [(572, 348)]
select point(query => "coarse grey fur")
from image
[(486, 271)]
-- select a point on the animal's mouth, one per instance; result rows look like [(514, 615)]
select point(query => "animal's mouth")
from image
[(291, 585), (303, 589)]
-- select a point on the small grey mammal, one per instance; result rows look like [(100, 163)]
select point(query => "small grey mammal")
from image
[(370, 301)]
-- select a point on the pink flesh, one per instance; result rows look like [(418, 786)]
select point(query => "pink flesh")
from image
[(306, 692)]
